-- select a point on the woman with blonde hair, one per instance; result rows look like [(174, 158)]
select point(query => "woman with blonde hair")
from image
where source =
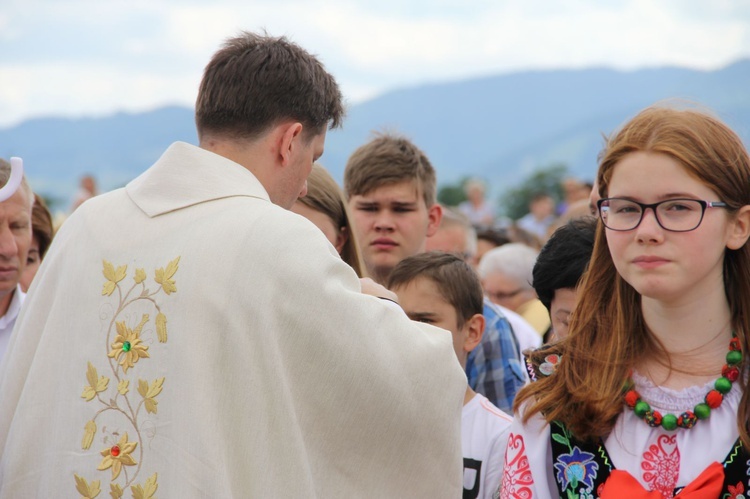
[(325, 207), (646, 397)]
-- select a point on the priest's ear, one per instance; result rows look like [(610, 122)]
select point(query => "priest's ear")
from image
[(287, 137)]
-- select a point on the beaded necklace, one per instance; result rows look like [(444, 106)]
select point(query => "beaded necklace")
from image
[(729, 374)]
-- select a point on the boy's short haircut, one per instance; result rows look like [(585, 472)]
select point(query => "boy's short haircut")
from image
[(256, 81), (564, 259), (389, 159), (455, 280)]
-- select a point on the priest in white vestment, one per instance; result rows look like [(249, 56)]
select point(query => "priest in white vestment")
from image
[(187, 336)]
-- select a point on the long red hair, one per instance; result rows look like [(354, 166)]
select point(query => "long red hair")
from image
[(607, 331)]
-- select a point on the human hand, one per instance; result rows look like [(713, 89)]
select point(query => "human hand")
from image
[(372, 288)]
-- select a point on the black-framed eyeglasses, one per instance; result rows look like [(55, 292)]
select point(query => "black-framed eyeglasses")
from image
[(674, 215)]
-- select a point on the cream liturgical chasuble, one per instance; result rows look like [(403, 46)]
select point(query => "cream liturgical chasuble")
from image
[(185, 337)]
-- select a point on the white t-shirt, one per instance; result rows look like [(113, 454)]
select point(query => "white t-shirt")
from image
[(8, 320), (484, 434)]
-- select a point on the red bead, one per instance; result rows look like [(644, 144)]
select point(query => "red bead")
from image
[(735, 344), (714, 398), (631, 398), (731, 373), (114, 451)]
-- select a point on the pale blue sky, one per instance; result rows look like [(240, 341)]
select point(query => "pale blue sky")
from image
[(94, 57)]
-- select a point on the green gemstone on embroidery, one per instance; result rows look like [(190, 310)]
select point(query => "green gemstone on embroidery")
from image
[(126, 346)]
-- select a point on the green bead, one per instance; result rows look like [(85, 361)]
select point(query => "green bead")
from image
[(641, 408), (126, 346), (702, 411), (734, 357), (669, 422), (723, 385)]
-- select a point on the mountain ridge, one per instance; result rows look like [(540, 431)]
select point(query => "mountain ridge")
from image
[(499, 127)]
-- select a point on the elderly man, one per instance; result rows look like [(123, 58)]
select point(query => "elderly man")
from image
[(190, 334), (15, 239)]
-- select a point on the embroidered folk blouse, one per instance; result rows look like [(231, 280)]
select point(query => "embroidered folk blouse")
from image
[(659, 460)]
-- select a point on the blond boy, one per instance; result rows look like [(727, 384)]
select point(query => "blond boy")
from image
[(390, 187)]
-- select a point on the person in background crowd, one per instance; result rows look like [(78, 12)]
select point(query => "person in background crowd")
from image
[(324, 205), (390, 186), (559, 268), (506, 274), (42, 233), (541, 215), (479, 212), (15, 240), (442, 289), (86, 191), (456, 235)]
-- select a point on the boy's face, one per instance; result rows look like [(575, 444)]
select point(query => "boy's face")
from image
[(391, 222), (422, 302)]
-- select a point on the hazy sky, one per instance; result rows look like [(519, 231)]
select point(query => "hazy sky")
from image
[(93, 57)]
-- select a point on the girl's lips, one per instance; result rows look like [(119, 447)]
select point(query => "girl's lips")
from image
[(650, 262)]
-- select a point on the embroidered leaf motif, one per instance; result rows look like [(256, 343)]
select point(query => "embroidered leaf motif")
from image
[(96, 384), (140, 276), (161, 327), (147, 491), (122, 387), (164, 276), (88, 434), (113, 276), (150, 392), (560, 439), (88, 491), (115, 491)]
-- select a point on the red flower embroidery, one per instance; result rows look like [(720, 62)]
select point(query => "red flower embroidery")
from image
[(736, 491), (661, 465), (517, 479)]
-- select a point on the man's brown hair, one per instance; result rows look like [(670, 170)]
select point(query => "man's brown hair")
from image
[(389, 159), (255, 81)]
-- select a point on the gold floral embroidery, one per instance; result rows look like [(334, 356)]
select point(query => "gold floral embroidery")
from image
[(128, 344), (124, 353), (164, 276), (88, 491), (118, 456), (161, 327), (149, 393), (115, 490), (96, 384), (147, 491), (88, 434), (113, 276)]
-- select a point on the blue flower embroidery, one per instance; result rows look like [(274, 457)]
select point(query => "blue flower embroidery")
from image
[(577, 467)]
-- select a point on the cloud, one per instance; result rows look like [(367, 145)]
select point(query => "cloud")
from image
[(92, 57)]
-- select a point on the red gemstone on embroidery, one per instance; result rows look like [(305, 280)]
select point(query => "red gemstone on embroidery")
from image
[(114, 451), (631, 398), (731, 373), (734, 344), (714, 398)]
